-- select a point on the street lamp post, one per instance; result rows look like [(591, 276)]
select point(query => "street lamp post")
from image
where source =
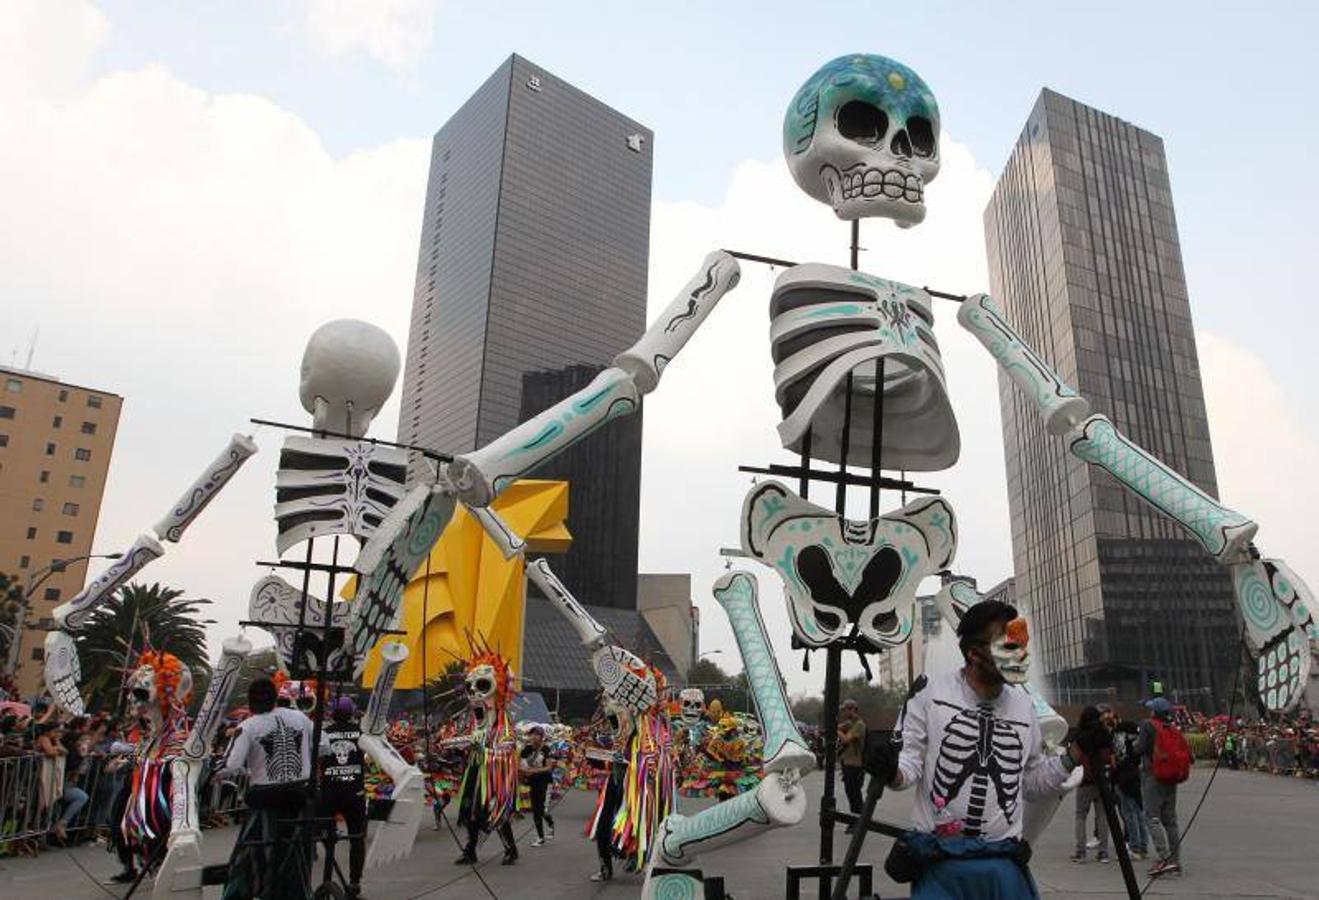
[(34, 581)]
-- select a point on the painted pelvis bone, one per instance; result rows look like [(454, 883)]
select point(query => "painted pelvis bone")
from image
[(841, 576), (827, 322)]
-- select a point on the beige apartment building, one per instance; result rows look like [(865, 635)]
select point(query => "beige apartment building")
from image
[(55, 445)]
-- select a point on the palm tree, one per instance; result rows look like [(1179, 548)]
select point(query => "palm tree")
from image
[(120, 629)]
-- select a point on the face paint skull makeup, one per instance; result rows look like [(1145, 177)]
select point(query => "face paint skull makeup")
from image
[(1009, 652), (480, 687)]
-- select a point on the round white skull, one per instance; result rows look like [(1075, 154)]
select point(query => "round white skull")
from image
[(692, 705), (348, 372), (481, 687), (862, 134)]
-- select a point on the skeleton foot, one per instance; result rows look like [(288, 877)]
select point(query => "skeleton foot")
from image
[(785, 748)]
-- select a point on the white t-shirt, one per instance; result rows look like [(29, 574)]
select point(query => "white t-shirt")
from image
[(978, 755), (273, 747)]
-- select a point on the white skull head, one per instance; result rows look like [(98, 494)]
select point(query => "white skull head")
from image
[(1010, 654), (348, 372), (142, 691), (342, 750), (481, 687), (862, 134), (692, 705)]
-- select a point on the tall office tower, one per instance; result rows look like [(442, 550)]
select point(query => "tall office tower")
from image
[(532, 271), (1085, 261), (55, 445)]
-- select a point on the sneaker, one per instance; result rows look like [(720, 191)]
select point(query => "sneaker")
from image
[(1172, 868), (128, 876), (1102, 856), (1163, 867), (1138, 855), (1078, 856), (549, 835), (603, 875), (538, 842), (467, 859), (1092, 843), (510, 858)]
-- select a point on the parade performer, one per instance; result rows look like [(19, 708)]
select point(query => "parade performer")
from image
[(610, 797), (971, 746), (488, 793), (159, 691), (273, 746), (343, 785)]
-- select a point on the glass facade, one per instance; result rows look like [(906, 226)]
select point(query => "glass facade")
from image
[(532, 270), (1084, 259)]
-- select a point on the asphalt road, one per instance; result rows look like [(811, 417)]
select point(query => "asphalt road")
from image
[(1256, 836)]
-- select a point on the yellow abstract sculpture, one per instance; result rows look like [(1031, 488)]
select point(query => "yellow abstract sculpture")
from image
[(467, 586)]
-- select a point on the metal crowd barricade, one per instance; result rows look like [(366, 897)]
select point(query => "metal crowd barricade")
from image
[(24, 820)]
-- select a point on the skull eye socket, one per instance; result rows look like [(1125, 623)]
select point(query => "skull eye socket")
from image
[(861, 122), (921, 133), (482, 686)]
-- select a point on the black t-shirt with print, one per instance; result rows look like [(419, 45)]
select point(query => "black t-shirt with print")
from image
[(341, 757)]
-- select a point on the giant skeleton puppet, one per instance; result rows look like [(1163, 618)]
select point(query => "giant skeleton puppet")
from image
[(862, 135), (356, 489)]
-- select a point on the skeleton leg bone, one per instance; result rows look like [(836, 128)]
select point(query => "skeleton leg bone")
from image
[(1279, 620), (394, 837), (180, 873)]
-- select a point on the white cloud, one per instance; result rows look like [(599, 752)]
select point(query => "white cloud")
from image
[(1265, 450), (178, 247), (395, 32)]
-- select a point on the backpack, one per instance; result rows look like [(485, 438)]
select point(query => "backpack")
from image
[(1170, 763)]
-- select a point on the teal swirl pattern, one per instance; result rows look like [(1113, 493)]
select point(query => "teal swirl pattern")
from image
[(875, 79), (675, 886)]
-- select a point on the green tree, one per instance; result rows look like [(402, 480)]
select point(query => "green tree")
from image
[(732, 691), (119, 630)]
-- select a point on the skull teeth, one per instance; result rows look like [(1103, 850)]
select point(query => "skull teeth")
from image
[(869, 184)]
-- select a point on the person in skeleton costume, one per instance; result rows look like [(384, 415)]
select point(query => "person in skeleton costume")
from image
[(343, 786), (159, 690), (273, 745), (488, 793), (971, 747)]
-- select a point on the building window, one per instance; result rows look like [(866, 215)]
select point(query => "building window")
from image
[(38, 654), (94, 401), (24, 561), (6, 412), (31, 533), (38, 504), (82, 453), (44, 476), (57, 422), (64, 395), (89, 428), (77, 480), (13, 385), (52, 594), (46, 624), (50, 449), (70, 509), (64, 537), (4, 440)]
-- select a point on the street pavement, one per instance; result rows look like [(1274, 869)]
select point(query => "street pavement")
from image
[(1256, 836)]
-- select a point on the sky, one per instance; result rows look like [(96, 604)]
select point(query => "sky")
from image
[(190, 189)]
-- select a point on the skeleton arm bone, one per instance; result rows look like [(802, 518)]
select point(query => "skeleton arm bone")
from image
[(61, 666), (1278, 611), (181, 870), (480, 476)]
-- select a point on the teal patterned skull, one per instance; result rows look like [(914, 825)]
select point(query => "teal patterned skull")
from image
[(862, 134)]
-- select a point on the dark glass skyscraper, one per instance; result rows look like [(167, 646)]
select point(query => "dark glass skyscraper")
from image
[(1085, 261), (533, 261)]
